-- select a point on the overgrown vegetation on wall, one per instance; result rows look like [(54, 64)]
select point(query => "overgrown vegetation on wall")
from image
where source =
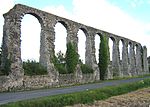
[(60, 63), (66, 64), (103, 57), (85, 68), (33, 68)]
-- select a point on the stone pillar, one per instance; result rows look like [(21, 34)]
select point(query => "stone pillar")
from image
[(88, 51), (145, 61), (11, 47), (72, 37), (138, 59), (11, 51), (109, 68), (92, 57), (115, 59), (132, 66), (125, 70), (47, 51)]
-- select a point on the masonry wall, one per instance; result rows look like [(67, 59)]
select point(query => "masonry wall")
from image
[(130, 65)]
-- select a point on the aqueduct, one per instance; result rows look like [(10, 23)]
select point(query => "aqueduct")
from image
[(133, 63)]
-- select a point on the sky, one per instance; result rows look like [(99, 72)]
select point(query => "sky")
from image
[(126, 18)]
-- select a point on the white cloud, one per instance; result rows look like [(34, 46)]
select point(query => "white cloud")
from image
[(103, 15), (58, 10)]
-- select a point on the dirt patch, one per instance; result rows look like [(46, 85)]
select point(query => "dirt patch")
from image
[(139, 98)]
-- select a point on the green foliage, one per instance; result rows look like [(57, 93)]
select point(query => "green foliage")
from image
[(72, 57), (103, 57), (86, 69), (6, 69), (60, 63), (81, 97), (33, 68)]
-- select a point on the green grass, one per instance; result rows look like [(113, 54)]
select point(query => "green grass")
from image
[(81, 97)]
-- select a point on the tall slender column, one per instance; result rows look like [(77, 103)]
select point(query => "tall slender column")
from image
[(73, 38), (145, 61), (115, 59), (132, 65), (138, 59), (125, 59), (11, 47), (90, 52), (88, 57), (47, 51)]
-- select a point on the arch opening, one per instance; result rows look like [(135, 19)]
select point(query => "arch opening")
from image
[(111, 42), (135, 49), (30, 39), (30, 46), (120, 50), (97, 46), (60, 38), (81, 44), (129, 51)]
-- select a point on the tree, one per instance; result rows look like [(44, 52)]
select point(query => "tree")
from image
[(60, 62), (72, 57), (103, 57), (61, 57)]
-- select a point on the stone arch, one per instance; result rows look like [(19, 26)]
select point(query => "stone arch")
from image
[(36, 15), (136, 46), (85, 30), (12, 30), (64, 23)]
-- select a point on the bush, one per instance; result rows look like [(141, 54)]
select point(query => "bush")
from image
[(6, 69), (72, 57), (103, 57), (33, 68), (81, 97), (86, 69), (61, 68), (60, 63)]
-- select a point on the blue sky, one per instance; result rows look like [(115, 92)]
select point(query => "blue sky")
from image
[(127, 18), (136, 8), (41, 4)]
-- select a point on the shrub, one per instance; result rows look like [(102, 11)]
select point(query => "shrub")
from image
[(86, 69), (60, 63), (6, 69), (61, 68), (72, 57), (33, 68), (103, 57)]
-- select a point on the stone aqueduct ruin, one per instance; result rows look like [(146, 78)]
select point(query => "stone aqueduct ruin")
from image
[(130, 65)]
